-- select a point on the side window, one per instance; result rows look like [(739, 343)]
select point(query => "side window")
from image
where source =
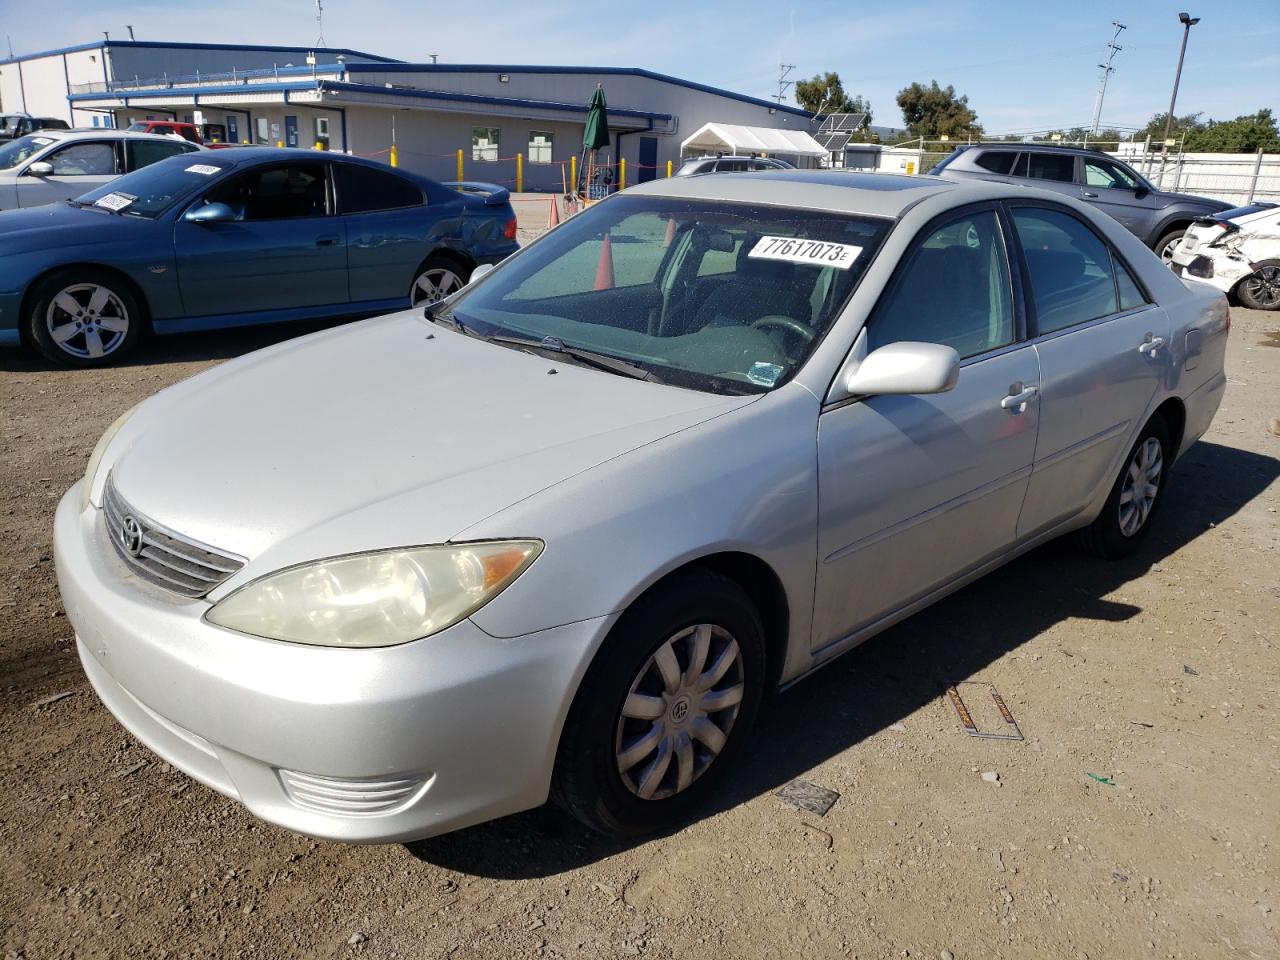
[(540, 144), (85, 160), (1051, 166), (731, 166), (1099, 173), (952, 289), (1070, 269), (484, 143), (997, 161), (143, 153), (1131, 294), (276, 193), (363, 189)]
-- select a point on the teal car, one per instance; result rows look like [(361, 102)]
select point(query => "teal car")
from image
[(242, 236)]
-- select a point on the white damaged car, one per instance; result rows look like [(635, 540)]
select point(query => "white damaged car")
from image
[(1237, 251)]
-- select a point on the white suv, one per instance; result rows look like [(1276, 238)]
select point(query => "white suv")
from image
[(53, 165)]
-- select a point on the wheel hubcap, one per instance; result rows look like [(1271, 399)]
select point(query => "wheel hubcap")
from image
[(1166, 254), (433, 285), (1141, 486), (1264, 286), (87, 321), (679, 711)]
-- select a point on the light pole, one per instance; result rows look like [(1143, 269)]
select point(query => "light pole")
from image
[(1187, 23)]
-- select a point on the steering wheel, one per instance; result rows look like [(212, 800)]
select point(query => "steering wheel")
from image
[(778, 321)]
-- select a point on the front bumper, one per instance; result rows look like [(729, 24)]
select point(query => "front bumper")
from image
[(369, 746)]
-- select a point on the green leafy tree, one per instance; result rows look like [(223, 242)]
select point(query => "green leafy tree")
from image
[(1245, 134), (935, 111), (1180, 128), (825, 94)]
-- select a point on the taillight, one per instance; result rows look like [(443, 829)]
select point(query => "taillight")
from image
[(509, 229)]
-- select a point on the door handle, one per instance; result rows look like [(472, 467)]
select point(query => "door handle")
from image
[(1151, 345), (1018, 398), (1091, 196), (326, 241)]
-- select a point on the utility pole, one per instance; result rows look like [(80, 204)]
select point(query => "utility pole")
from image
[(320, 22), (1112, 49), (129, 27), (1187, 23), (783, 70)]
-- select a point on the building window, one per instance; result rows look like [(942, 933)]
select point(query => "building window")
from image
[(484, 143), (540, 146), (263, 130)]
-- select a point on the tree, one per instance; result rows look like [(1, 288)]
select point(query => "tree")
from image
[(1180, 128), (935, 111), (825, 94), (1245, 134)]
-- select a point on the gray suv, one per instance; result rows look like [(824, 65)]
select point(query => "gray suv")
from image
[(730, 165), (1157, 218)]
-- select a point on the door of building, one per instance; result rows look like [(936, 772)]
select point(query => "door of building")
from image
[(648, 159), (290, 131)]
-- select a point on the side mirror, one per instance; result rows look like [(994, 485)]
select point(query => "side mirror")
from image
[(480, 271), (40, 168), (1140, 192), (210, 213), (906, 368)]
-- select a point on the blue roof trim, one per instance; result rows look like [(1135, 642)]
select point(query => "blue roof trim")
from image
[(401, 67), (174, 45), (337, 86)]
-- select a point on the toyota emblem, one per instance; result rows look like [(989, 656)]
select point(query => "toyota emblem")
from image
[(131, 536)]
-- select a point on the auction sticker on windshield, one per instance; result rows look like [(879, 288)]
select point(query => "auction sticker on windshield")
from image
[(205, 168), (817, 253), (114, 201)]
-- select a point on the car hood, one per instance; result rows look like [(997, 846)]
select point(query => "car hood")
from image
[(1189, 199), (386, 433), (62, 225)]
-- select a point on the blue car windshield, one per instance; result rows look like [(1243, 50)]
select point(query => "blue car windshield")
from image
[(150, 191), (16, 151), (711, 295)]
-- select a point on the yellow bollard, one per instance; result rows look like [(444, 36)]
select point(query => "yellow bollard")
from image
[(319, 144), (394, 157), (622, 173), (573, 173), (461, 175), (668, 168), (519, 173), (279, 143)]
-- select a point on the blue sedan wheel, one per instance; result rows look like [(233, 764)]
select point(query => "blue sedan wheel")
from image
[(434, 283), (84, 317)]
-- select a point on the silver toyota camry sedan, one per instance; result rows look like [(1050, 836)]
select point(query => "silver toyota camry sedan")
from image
[(561, 534)]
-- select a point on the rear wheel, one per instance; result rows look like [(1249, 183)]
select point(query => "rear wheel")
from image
[(1167, 244), (1125, 519), (664, 710), (84, 318), (437, 278), (1261, 289)]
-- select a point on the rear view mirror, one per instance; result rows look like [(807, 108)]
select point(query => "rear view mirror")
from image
[(480, 271), (40, 169), (906, 368), (210, 213), (1140, 192)]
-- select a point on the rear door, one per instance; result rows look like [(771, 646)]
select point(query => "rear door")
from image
[(1103, 348), (77, 168), (286, 250), (1049, 171), (388, 226)]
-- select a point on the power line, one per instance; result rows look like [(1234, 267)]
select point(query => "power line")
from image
[(783, 70)]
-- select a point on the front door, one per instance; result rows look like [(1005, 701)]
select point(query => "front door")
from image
[(1115, 191), (648, 159), (913, 491), (290, 131), (286, 250), (1103, 349), (77, 168)]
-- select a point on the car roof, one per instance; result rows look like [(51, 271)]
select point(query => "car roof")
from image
[(1037, 148), (90, 133)]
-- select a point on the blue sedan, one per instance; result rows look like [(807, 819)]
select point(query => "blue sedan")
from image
[(237, 237)]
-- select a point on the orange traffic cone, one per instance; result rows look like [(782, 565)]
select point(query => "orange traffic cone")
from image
[(553, 215), (604, 269)]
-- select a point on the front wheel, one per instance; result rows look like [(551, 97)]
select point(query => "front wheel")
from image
[(1125, 519), (84, 318), (665, 708)]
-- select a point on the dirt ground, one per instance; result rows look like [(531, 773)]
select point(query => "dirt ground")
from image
[(1158, 675)]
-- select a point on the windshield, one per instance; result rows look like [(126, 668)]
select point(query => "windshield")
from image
[(725, 297), (152, 190), (16, 151)]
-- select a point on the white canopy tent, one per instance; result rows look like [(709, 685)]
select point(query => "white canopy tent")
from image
[(733, 139)]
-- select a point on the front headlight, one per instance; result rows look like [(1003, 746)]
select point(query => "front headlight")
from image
[(376, 599), (95, 458)]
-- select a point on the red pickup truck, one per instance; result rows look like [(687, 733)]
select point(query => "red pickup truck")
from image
[(188, 131)]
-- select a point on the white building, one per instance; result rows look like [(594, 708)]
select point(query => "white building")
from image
[(361, 103)]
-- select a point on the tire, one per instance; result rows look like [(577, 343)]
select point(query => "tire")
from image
[(1121, 527), (1164, 246), (438, 277), (1261, 289), (609, 772), (65, 327)]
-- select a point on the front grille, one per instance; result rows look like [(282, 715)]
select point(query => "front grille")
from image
[(162, 556), (350, 797)]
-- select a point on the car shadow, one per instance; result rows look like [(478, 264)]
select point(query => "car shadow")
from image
[(899, 671)]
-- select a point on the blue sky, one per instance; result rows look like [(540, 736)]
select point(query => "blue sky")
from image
[(1025, 66)]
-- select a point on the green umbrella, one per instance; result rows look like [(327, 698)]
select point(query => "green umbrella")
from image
[(596, 133)]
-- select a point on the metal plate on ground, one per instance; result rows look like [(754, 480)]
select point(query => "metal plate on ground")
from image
[(804, 795), (985, 715)]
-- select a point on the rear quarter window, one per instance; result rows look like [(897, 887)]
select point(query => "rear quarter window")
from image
[(997, 161)]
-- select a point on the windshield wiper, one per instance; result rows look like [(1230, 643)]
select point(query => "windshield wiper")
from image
[(588, 358), (440, 312)]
